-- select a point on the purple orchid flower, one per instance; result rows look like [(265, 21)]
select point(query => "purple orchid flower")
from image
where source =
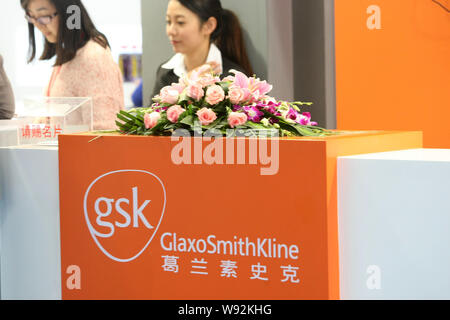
[(305, 119), (237, 108), (273, 120), (253, 113), (162, 109), (293, 115), (271, 109)]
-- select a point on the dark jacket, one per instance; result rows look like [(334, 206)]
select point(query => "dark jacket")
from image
[(165, 77), (7, 106)]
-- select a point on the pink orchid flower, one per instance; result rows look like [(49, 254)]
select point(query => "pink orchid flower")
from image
[(251, 86)]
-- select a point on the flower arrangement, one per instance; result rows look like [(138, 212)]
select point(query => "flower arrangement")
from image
[(203, 102)]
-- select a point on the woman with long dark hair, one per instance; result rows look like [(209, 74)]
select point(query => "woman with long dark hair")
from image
[(202, 31), (84, 66)]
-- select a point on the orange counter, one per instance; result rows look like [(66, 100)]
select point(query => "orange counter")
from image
[(137, 222)]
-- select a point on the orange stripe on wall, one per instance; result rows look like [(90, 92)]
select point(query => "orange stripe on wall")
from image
[(397, 77)]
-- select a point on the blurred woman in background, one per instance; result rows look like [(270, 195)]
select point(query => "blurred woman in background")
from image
[(84, 66), (201, 32), (7, 105)]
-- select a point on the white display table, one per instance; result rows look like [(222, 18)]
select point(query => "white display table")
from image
[(29, 221), (394, 222)]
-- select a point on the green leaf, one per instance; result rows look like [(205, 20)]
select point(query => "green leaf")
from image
[(189, 120), (127, 115), (124, 119), (225, 86), (215, 124)]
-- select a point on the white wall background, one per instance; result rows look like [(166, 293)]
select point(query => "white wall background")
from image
[(119, 20)]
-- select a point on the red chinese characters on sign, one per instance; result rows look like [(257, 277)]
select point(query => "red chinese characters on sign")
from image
[(36, 132), (40, 131), (26, 131), (47, 133), (57, 131)]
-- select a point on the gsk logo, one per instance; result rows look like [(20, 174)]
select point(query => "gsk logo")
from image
[(124, 210)]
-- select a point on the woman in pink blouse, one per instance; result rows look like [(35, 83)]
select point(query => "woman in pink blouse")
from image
[(84, 65)]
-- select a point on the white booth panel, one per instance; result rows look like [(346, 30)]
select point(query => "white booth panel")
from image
[(29, 224), (394, 223)]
